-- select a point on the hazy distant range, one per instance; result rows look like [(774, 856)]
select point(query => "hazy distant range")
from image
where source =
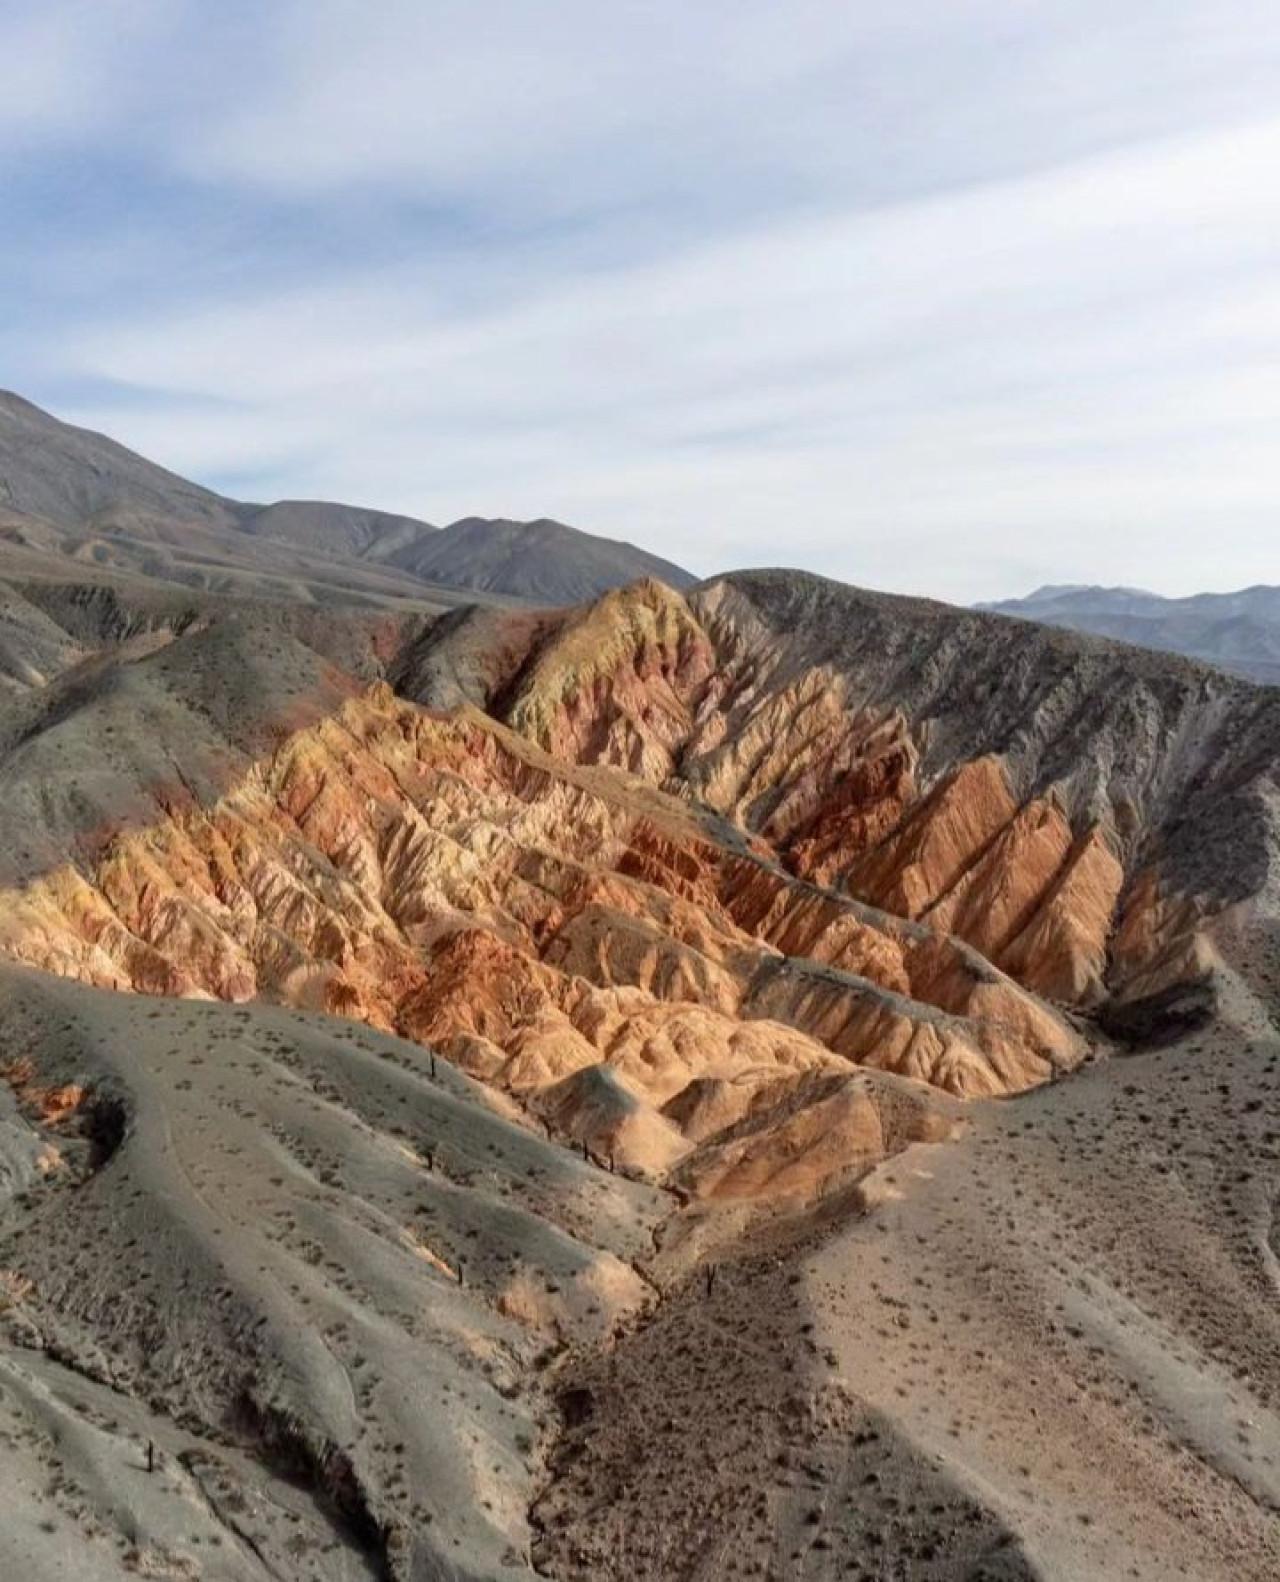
[(1238, 631)]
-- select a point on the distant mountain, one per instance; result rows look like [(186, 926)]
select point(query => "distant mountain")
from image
[(1239, 632), (545, 561), (348, 531), (75, 479), (1054, 592), (70, 492)]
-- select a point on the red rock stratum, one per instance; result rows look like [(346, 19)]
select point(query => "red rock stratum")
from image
[(671, 873)]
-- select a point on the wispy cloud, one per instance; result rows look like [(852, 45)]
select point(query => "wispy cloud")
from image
[(72, 67), (984, 296)]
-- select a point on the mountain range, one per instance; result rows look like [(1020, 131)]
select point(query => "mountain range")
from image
[(758, 1078), (75, 494), (1238, 631)]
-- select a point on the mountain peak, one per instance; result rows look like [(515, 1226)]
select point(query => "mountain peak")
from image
[(82, 484), (1238, 631)]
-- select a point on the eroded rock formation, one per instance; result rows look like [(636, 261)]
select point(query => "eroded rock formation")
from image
[(670, 872), (1023, 807), (572, 936)]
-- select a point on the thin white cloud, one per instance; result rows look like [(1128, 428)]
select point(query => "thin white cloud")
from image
[(550, 106), (984, 296), (70, 66)]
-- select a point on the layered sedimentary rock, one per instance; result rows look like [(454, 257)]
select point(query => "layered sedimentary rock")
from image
[(667, 918), (662, 869), (1024, 806), (571, 935), (705, 859)]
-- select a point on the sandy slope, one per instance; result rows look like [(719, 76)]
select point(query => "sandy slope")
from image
[(1050, 1348), (281, 1248)]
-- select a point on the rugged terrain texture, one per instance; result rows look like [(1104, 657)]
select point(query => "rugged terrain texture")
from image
[(310, 1267), (567, 933), (1096, 821), (1048, 1349), (687, 1009)]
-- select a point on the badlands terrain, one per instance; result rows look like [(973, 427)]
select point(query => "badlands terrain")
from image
[(755, 1079)]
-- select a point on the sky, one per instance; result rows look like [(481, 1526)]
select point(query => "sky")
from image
[(954, 297)]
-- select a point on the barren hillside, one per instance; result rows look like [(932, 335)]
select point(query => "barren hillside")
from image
[(68, 494), (449, 1052)]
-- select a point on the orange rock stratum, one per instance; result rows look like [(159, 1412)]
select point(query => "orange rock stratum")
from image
[(662, 876)]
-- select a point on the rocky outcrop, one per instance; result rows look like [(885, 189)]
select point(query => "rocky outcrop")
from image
[(660, 868), (1021, 789), (572, 936)]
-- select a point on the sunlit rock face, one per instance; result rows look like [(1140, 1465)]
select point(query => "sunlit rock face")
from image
[(569, 935), (672, 872), (998, 784)]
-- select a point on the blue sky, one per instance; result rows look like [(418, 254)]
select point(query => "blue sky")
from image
[(959, 300)]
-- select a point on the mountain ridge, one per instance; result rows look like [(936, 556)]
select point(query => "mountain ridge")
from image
[(461, 1059), (82, 493), (1237, 631), (507, 1027)]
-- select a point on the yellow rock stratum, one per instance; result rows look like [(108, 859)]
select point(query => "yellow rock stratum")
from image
[(571, 934)]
